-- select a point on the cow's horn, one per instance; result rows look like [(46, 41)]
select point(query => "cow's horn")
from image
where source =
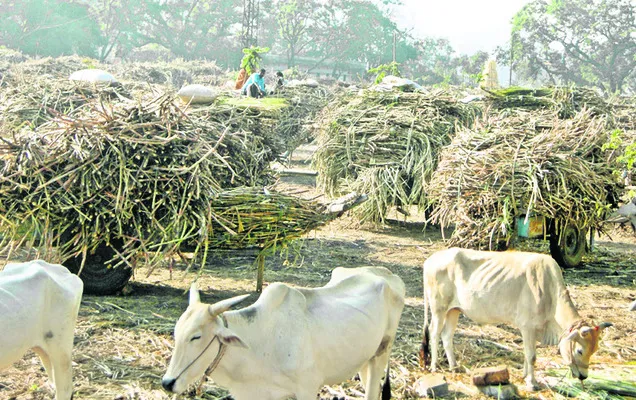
[(222, 306), (194, 294), (604, 325)]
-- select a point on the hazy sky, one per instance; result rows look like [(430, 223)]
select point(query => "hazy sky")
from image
[(470, 25)]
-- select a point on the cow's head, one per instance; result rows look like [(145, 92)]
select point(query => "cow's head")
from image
[(577, 346), (200, 339)]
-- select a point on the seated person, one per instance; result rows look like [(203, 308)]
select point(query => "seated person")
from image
[(280, 80), (240, 80), (255, 85)]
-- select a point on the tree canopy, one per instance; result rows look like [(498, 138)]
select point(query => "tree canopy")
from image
[(586, 42), (49, 28)]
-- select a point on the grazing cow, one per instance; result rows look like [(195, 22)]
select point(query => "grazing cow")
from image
[(624, 214), (292, 341), (525, 290), (39, 303)]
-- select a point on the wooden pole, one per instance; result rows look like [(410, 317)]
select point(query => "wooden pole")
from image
[(260, 262), (512, 55), (394, 44)]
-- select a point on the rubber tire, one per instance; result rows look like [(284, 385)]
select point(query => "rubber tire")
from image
[(98, 278), (569, 248)]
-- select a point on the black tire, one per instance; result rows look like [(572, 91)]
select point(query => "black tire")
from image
[(98, 277), (567, 245)]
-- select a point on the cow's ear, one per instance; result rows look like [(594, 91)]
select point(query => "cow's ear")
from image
[(574, 335), (194, 294), (585, 331), (229, 338)]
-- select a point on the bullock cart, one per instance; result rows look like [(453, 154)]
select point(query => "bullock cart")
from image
[(385, 144), (521, 173), (112, 182)]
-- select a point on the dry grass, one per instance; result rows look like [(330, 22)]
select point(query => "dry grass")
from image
[(123, 343)]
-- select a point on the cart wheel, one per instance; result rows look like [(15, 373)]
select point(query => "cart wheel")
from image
[(97, 275), (567, 245)]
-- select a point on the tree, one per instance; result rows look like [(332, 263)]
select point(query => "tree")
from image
[(469, 68), (191, 29), (433, 64), (49, 28), (118, 24), (295, 18), (357, 30), (587, 42)]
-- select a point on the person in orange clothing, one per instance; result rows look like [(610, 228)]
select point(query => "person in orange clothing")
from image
[(240, 80)]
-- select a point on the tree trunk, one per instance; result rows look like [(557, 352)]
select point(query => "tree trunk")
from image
[(292, 55), (612, 85)]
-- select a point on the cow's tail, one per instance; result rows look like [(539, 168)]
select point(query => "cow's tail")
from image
[(425, 346), (386, 387)]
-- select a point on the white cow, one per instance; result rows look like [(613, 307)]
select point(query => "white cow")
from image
[(39, 303), (292, 341), (525, 290), (625, 213)]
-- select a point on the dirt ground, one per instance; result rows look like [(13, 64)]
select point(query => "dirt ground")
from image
[(123, 343)]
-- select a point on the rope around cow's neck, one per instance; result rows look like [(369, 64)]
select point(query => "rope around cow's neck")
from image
[(216, 360), (567, 331), (222, 348)]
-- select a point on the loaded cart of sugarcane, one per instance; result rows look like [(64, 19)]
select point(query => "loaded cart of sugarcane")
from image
[(535, 166), (105, 184)]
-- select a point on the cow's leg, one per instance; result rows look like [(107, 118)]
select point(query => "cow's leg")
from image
[(435, 330), (46, 362), (364, 373), (263, 393), (305, 394), (447, 336), (529, 351), (375, 366), (61, 358)]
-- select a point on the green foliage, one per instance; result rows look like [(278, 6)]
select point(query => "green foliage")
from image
[(627, 152), (252, 59), (383, 70), (589, 43), (342, 33), (478, 77), (437, 64), (49, 28)]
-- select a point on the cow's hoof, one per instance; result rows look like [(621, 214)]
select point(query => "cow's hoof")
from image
[(533, 386)]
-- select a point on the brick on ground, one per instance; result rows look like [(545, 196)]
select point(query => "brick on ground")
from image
[(497, 375), (433, 385), (500, 392)]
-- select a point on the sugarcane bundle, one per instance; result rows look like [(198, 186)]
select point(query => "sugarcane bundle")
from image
[(490, 79), (9, 57), (282, 119), (34, 99), (143, 173), (253, 217), (256, 117), (385, 144), (295, 126), (625, 113), (522, 163), (58, 67), (175, 73), (565, 101)]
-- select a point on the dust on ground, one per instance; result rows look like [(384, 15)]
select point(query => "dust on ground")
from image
[(123, 343)]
